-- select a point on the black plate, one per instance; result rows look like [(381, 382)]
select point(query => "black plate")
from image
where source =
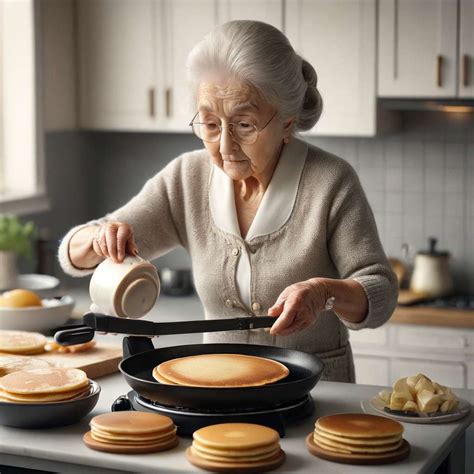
[(50, 414), (305, 371)]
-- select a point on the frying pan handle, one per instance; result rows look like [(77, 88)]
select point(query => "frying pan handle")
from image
[(113, 324)]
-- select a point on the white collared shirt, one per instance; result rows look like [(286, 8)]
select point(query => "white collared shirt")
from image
[(273, 211)]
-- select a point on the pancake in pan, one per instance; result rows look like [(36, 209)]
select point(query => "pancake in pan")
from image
[(222, 370)]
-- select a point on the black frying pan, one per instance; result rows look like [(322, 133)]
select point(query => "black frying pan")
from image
[(305, 369)]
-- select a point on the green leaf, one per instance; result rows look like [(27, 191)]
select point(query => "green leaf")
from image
[(16, 236)]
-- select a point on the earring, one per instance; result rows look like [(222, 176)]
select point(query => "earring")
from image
[(286, 140)]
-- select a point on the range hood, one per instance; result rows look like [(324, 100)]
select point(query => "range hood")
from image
[(428, 104)]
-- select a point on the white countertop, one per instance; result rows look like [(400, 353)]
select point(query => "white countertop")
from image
[(62, 449)]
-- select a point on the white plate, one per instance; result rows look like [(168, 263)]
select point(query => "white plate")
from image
[(40, 284), (53, 313), (375, 404)]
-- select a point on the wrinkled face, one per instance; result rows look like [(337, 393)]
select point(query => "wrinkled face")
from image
[(224, 102)]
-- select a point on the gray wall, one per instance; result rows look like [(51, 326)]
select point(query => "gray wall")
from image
[(420, 181)]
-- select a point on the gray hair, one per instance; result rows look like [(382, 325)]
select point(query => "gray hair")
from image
[(261, 55)]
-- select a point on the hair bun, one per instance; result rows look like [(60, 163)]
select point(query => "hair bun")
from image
[(312, 103)]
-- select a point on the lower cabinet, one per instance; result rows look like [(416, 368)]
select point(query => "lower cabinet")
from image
[(443, 354)]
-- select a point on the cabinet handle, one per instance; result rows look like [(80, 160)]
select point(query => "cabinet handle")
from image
[(151, 101), (168, 102), (439, 71), (465, 70)]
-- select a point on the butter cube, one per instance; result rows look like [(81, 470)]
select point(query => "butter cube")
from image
[(428, 401), (410, 406), (384, 396)]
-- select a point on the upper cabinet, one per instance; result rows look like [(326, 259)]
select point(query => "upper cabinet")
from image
[(338, 39), (117, 64), (417, 48), (269, 11), (466, 48), (180, 25), (132, 57)]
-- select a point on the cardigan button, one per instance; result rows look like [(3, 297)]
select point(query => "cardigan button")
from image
[(256, 306), (229, 303), (235, 251)]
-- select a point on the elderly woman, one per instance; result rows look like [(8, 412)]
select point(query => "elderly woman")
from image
[(273, 225)]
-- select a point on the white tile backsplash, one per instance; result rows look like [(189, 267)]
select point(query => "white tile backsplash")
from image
[(420, 183)]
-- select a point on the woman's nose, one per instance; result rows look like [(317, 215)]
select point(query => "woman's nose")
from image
[(227, 143)]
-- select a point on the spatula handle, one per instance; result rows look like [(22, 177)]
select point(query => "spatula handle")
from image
[(79, 335)]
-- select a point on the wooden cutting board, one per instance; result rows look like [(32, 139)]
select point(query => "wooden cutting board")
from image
[(102, 359)]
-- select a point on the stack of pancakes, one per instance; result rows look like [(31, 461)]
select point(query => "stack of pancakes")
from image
[(43, 385), (131, 432), (360, 434), (10, 363), (236, 447), (22, 342), (220, 370)]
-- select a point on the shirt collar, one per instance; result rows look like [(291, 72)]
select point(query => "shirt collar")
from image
[(278, 200)]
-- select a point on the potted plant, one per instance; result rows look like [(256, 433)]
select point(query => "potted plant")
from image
[(16, 238)]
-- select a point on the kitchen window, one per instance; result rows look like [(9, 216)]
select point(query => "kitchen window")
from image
[(22, 186)]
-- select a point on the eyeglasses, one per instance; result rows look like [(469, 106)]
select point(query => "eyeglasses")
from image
[(244, 133)]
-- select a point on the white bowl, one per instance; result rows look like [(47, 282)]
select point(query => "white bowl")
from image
[(45, 286), (53, 313)]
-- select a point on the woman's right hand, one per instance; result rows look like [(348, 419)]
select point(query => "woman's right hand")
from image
[(114, 240)]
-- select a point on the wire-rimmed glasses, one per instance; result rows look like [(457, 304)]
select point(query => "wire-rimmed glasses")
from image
[(245, 133)]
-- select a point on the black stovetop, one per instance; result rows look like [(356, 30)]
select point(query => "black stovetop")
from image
[(189, 420)]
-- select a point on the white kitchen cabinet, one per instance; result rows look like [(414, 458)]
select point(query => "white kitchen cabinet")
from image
[(117, 64), (268, 11), (338, 39), (451, 374), (132, 57), (372, 370), (417, 48), (58, 67), (466, 48), (183, 23), (387, 353)]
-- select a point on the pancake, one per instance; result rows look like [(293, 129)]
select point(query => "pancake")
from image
[(358, 425), (236, 447), (128, 449), (350, 449), (132, 423), (21, 342), (233, 453), (160, 378), (359, 441), (222, 370), (236, 436), (12, 363), (241, 458), (44, 398), (133, 442), (43, 381), (131, 432)]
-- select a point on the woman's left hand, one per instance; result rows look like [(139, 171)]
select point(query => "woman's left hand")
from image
[(298, 306)]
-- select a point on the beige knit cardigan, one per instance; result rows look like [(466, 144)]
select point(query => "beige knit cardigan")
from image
[(330, 233)]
